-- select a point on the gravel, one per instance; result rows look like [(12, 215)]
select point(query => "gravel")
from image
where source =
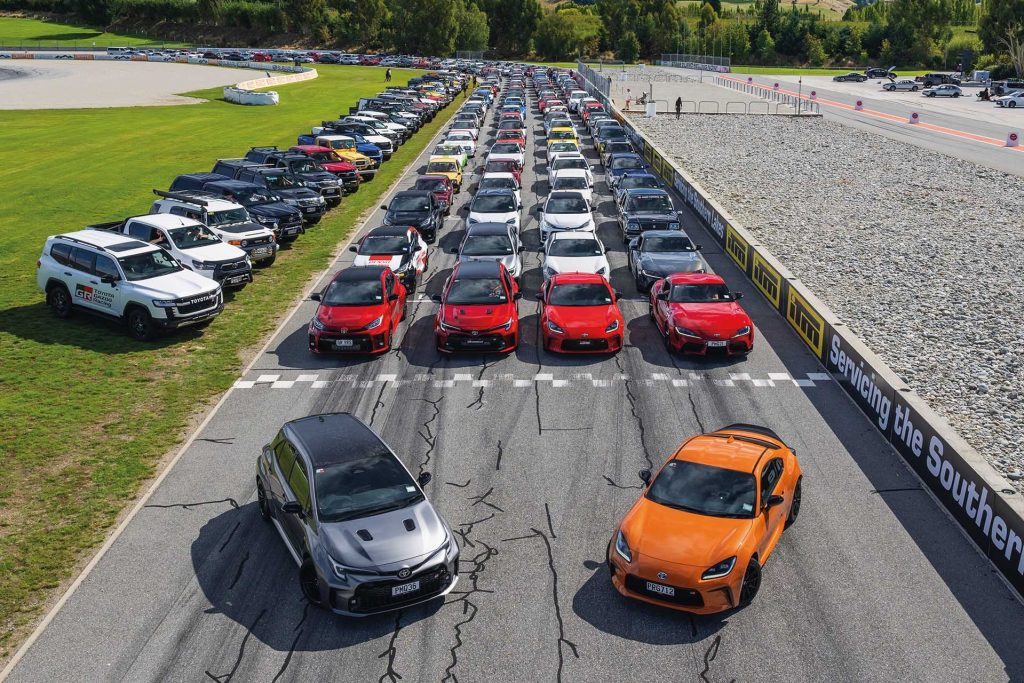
[(918, 252)]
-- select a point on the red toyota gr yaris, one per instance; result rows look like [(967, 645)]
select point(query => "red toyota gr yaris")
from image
[(699, 315), (359, 312), (580, 314), (478, 309)]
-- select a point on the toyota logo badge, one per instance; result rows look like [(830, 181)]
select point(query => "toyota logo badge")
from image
[(662, 575), (343, 330), (404, 573), (475, 333)]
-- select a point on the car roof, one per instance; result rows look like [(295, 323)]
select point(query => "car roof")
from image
[(334, 438), (359, 273), (488, 229), (665, 233), (574, 235), (413, 193), (473, 270), (206, 177), (165, 220), (103, 239), (696, 279), (731, 452)]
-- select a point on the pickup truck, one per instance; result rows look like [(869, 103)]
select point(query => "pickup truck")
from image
[(124, 279), (310, 203), (362, 145), (347, 149), (332, 162), (369, 133), (302, 169), (191, 244), (267, 208)]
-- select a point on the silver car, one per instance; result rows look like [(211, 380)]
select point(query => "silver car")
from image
[(904, 84), (944, 90), (354, 519)]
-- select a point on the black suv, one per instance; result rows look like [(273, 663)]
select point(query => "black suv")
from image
[(939, 79), (278, 181), (418, 208), (304, 169), (879, 72), (265, 207)]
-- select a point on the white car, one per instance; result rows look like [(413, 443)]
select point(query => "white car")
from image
[(501, 181), (507, 151), (400, 248), (574, 179), (228, 220), (473, 132), (450, 150), (493, 242), (557, 147), (566, 210), (1011, 100), (398, 129), (574, 252), (564, 161), (494, 206), (463, 140), (575, 97)]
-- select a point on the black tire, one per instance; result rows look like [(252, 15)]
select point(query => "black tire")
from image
[(309, 583), (751, 583), (266, 263), (60, 301), (1011, 104), (262, 500), (914, 89), (140, 324), (794, 507)]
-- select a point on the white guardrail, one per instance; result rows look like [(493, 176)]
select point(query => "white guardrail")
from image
[(979, 499)]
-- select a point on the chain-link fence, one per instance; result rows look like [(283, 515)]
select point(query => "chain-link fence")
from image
[(699, 62), (599, 81), (470, 55)]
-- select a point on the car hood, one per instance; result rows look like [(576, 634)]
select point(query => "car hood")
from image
[(180, 285), (491, 217), (567, 221), (719, 318), (348, 317), (214, 253), (576, 264), (477, 316), (663, 533), (668, 263), (392, 540), (298, 193), (506, 156), (338, 166), (274, 210), (507, 260), (392, 261), (578, 319), (406, 217), (316, 175)]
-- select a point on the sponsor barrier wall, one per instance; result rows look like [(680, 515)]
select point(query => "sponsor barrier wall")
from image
[(982, 502)]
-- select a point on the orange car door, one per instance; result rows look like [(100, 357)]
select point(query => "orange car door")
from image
[(774, 517)]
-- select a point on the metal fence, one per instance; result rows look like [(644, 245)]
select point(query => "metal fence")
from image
[(698, 62), (799, 102), (600, 82)]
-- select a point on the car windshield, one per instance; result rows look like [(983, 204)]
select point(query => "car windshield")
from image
[(587, 294), (279, 181), (569, 204), (704, 490), (697, 294), (561, 134), (486, 245), (432, 184), (192, 236), (223, 218), (384, 244), (618, 146), (343, 144), (564, 147), (251, 197), (147, 265), (672, 243), (649, 203), (638, 182), (359, 488), (559, 164), (355, 293), (506, 148), (304, 166), (499, 166), (510, 124), (574, 247), (441, 167), (612, 133), (574, 183), (627, 162), (476, 291), (497, 184), (493, 203), (409, 203)]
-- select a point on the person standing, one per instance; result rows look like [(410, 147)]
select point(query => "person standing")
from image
[(679, 106), (387, 75)]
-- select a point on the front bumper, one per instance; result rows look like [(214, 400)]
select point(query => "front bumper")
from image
[(332, 342), (363, 596), (691, 594), (736, 346), (592, 342), (261, 252), (479, 342), (176, 319)]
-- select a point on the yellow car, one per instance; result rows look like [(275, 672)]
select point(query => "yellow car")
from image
[(345, 147), (562, 134), (448, 167), (444, 151)]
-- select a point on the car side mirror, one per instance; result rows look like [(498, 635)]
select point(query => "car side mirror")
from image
[(354, 249), (384, 206), (618, 296), (634, 243), (292, 507), (109, 279), (774, 500), (540, 294), (662, 296), (424, 478), (453, 250), (645, 476), (392, 297), (697, 247), (418, 247), (517, 296), (435, 298), (679, 213), (737, 295), (520, 207), (520, 249), (315, 296)]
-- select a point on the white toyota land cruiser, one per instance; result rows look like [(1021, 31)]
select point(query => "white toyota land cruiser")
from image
[(122, 278)]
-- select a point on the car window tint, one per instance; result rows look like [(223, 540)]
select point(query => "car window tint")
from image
[(83, 260), (105, 266), (285, 457), (298, 481), (769, 478), (61, 253)]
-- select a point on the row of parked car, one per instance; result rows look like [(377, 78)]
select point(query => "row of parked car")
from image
[(206, 233), (360, 310)]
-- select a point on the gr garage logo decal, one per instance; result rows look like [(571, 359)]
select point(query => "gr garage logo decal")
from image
[(84, 292)]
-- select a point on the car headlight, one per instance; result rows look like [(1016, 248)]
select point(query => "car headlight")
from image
[(719, 570), (686, 332), (674, 225), (202, 265), (510, 221), (632, 225), (449, 328), (614, 326), (374, 324), (315, 322), (339, 570), (291, 202), (602, 271), (622, 547), (647, 274), (508, 324), (320, 200), (745, 330), (163, 303), (555, 328), (471, 221)]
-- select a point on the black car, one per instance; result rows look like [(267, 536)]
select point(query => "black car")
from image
[(852, 76), (643, 210), (304, 169), (268, 209), (278, 181), (939, 79), (878, 72), (418, 208), (659, 253)]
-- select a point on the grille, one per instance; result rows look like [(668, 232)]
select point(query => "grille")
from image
[(231, 266), (308, 201), (259, 240), (194, 306), (360, 343), (585, 344), (377, 594), (484, 342), (683, 596)]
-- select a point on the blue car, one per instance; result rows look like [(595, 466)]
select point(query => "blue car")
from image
[(621, 164)]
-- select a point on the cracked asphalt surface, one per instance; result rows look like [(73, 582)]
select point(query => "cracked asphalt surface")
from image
[(873, 583)]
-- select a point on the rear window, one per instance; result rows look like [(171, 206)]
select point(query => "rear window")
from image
[(61, 253)]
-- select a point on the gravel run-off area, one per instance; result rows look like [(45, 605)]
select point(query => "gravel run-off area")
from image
[(921, 254)]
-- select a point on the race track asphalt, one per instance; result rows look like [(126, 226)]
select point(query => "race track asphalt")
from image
[(535, 460)]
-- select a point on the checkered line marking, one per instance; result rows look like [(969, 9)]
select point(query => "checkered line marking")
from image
[(734, 379)]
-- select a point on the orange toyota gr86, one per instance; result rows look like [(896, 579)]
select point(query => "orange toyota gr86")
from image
[(707, 521)]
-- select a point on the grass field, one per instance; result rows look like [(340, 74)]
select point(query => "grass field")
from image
[(87, 411), (25, 32)]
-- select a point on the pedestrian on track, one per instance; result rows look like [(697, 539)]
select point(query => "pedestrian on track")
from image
[(679, 106)]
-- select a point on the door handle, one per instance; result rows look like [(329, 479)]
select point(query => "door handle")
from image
[(93, 282), (67, 273)]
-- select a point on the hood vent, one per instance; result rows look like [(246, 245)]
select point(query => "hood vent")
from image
[(364, 534), (409, 525)]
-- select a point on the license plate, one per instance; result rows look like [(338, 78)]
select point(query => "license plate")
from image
[(292, 231), (238, 278), (261, 251), (585, 342), (475, 342), (343, 343), (658, 588), (716, 343), (405, 588), (309, 209)]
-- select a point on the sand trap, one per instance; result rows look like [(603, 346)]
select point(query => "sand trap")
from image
[(38, 84)]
